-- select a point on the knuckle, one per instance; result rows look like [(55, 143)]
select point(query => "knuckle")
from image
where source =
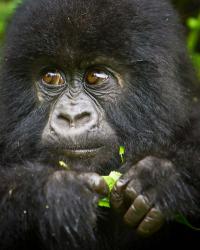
[(131, 192), (142, 201)]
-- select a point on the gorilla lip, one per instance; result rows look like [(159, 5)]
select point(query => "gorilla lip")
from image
[(87, 152)]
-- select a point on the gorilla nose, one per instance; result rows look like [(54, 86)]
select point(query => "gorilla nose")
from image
[(76, 119), (73, 117)]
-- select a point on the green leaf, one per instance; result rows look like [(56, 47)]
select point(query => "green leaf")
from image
[(110, 180), (121, 153), (193, 23), (183, 220)]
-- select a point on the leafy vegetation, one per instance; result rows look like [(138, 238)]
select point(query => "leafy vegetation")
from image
[(6, 9), (194, 41)]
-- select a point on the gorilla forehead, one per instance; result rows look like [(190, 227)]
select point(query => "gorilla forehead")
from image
[(106, 27)]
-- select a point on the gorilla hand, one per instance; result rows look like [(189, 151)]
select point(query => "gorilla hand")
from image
[(71, 200), (138, 194)]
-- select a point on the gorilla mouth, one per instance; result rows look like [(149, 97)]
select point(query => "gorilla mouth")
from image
[(81, 152)]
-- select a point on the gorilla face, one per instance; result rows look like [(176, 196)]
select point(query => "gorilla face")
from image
[(77, 129)]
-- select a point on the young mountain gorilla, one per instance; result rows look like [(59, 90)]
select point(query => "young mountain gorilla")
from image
[(79, 79)]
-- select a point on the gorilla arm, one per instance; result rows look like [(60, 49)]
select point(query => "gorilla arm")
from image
[(48, 205)]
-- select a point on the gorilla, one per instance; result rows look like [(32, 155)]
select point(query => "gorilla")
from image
[(80, 79)]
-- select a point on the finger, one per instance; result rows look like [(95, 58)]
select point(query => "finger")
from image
[(137, 211), (151, 223), (95, 182), (123, 194), (132, 191), (117, 195)]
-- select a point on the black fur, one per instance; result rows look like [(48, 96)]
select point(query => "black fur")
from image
[(156, 114)]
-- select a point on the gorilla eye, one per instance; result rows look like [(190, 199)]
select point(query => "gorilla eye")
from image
[(94, 77), (53, 78)]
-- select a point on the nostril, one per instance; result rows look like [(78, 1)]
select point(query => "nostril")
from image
[(82, 119), (75, 120), (65, 117)]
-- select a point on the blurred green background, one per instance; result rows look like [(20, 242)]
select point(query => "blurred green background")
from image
[(189, 12)]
